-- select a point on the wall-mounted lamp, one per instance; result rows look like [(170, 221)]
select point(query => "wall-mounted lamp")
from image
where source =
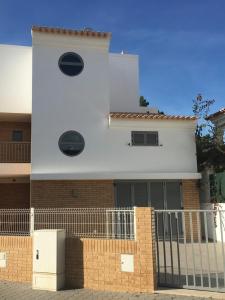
[(75, 194)]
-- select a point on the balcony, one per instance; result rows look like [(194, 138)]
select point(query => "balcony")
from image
[(15, 152)]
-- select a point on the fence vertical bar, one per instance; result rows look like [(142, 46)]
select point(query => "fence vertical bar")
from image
[(222, 243), (131, 227), (214, 247), (31, 221), (125, 225), (178, 247), (157, 245), (192, 248), (185, 246), (164, 246), (135, 224), (113, 224), (118, 227), (207, 247), (200, 247), (171, 245), (107, 225)]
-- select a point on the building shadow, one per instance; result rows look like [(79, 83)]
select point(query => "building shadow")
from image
[(74, 263)]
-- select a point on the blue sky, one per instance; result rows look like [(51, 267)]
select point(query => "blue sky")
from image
[(181, 43)]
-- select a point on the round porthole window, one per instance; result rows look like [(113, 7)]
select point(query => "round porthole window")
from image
[(71, 143), (71, 64)]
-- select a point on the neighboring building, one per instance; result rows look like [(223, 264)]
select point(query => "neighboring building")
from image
[(218, 119), (92, 145), (213, 184)]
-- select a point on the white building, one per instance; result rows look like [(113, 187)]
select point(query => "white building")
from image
[(92, 144)]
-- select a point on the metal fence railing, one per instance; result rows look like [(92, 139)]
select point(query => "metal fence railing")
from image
[(109, 223), (14, 221), (87, 222), (190, 248), (15, 152)]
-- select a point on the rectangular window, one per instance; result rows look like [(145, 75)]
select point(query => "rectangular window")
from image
[(17, 135), (144, 138)]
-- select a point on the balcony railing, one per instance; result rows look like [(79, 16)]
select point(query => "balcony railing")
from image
[(15, 152)]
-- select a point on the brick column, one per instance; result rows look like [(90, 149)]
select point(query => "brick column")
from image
[(145, 237), (190, 194), (191, 201)]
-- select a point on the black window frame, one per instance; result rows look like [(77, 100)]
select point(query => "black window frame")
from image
[(60, 63), (145, 133), (15, 138), (69, 132)]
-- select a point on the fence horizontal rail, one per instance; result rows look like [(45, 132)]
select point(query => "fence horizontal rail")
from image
[(109, 223), (88, 223), (14, 221)]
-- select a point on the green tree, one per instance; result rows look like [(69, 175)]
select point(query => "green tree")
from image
[(143, 102), (210, 146)]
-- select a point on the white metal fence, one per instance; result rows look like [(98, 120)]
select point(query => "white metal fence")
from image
[(14, 221), (110, 223)]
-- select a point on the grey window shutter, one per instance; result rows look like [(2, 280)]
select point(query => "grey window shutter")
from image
[(152, 138)]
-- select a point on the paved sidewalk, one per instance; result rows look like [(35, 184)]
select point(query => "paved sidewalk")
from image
[(17, 291)]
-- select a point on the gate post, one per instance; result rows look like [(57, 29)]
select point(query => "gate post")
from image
[(145, 238)]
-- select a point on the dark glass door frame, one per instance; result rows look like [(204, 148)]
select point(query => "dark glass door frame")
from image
[(148, 182)]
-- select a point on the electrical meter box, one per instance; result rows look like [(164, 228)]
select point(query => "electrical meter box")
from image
[(49, 259)]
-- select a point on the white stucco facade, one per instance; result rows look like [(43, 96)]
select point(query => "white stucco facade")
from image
[(124, 83), (113, 158), (15, 79), (82, 103), (109, 82)]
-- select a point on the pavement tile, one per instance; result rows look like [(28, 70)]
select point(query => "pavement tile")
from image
[(17, 291)]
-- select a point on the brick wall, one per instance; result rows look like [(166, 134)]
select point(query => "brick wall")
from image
[(15, 195), (95, 263), (72, 193), (8, 127), (19, 258)]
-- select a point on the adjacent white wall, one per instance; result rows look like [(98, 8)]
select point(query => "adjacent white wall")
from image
[(124, 83), (15, 79)]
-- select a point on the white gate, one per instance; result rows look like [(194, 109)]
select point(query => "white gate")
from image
[(190, 252)]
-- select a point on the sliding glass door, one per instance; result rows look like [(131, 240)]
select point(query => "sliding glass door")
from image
[(157, 194)]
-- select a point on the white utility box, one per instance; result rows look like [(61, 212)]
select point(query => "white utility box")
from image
[(127, 262), (49, 259), (2, 260)]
